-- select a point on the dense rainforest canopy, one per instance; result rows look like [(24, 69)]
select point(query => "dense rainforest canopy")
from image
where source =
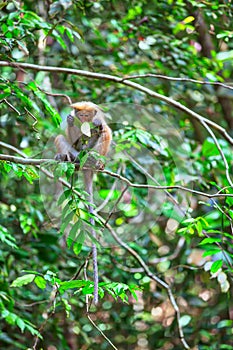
[(161, 71)]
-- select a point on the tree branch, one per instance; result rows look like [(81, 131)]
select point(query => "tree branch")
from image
[(26, 161), (164, 77), (45, 171), (92, 75), (38, 162)]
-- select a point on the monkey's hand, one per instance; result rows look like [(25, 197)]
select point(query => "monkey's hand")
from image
[(61, 157), (70, 120), (66, 157), (98, 124)]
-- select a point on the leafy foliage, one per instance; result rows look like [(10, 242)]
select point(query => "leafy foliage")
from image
[(45, 258)]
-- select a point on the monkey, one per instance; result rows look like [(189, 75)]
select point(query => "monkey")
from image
[(69, 147)]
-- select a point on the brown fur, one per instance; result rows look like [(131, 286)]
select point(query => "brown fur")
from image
[(104, 142)]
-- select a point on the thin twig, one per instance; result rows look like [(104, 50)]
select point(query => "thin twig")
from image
[(129, 269), (34, 118), (105, 202), (220, 151), (172, 187), (188, 80), (115, 204), (54, 94), (101, 332), (80, 268), (225, 214), (11, 106), (32, 304)]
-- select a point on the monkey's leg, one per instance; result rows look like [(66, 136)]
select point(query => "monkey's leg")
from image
[(88, 178), (64, 149)]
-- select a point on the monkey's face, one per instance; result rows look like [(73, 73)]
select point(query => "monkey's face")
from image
[(85, 115)]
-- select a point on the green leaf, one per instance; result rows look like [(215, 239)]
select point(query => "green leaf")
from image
[(132, 289), (67, 307), (83, 160), (40, 282), (198, 226), (225, 323), (30, 174), (59, 38), (69, 33), (75, 30), (6, 238), (70, 170), (209, 148), (14, 319), (23, 280), (229, 201), (74, 232), (60, 170), (81, 237), (50, 276), (77, 247), (49, 108), (211, 252), (89, 289), (216, 266), (67, 220), (32, 330), (210, 240), (21, 324), (188, 19), (72, 284)]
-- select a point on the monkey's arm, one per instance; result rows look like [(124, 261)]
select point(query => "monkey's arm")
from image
[(73, 133), (64, 146)]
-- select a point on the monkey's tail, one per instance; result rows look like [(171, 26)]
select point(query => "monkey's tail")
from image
[(88, 178)]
